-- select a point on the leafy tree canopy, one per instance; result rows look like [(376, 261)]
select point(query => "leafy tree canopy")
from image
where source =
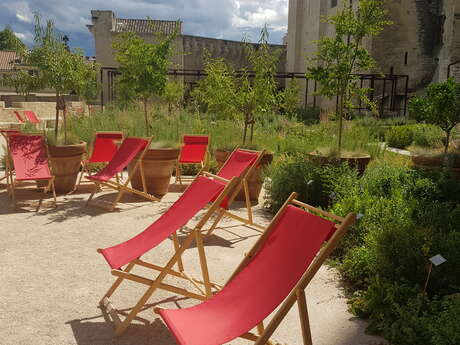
[(9, 41)]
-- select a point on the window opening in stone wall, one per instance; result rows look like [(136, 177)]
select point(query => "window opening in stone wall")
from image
[(333, 3), (406, 55)]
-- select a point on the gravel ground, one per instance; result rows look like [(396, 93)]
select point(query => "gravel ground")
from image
[(52, 277)]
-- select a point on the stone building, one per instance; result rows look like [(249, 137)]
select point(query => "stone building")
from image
[(188, 50), (422, 42)]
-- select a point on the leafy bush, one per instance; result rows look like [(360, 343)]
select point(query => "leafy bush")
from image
[(307, 176), (427, 135), (308, 115), (409, 216), (399, 136)]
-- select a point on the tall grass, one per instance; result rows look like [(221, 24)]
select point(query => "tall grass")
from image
[(275, 133)]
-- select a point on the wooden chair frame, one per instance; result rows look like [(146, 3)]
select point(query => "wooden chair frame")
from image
[(249, 221), (11, 181), (203, 286), (203, 164), (297, 294), (123, 188), (84, 165)]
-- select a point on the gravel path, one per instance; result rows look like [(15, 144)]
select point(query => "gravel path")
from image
[(52, 277)]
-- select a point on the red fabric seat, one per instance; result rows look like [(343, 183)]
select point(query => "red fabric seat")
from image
[(194, 149), (19, 117), (259, 288), (30, 157), (31, 116), (195, 198), (125, 154), (104, 147), (235, 166)]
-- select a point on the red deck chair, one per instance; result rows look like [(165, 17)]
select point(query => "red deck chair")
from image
[(104, 148), (31, 116), (278, 268), (129, 148), (194, 151), (30, 161), (202, 190), (240, 163), (9, 169), (19, 117)]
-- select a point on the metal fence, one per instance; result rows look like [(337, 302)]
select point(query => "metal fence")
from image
[(389, 91)]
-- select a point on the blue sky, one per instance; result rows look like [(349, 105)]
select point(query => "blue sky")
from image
[(227, 19)]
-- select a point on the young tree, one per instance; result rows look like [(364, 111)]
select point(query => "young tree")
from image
[(57, 67), (440, 107), (9, 41), (217, 90), (174, 94), (341, 57), (259, 97), (143, 67)]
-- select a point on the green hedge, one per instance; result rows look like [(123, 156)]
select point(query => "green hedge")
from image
[(408, 216)]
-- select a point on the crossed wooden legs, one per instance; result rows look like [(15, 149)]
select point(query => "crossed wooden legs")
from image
[(247, 221), (157, 283)]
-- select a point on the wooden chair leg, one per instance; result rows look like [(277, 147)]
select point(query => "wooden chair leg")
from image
[(214, 225), (203, 263), (180, 264), (118, 198), (117, 283), (304, 320), (178, 173), (83, 171), (248, 201), (54, 192), (96, 188)]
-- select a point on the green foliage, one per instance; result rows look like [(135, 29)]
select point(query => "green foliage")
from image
[(56, 67), (310, 178), (427, 136), (9, 41), (440, 107), (340, 57), (399, 136), (143, 67), (308, 115), (409, 216), (24, 82), (289, 99), (216, 92), (173, 94)]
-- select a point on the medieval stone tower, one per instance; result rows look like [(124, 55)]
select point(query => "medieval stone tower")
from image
[(423, 42)]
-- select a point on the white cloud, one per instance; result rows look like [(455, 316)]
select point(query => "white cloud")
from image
[(26, 37), (21, 10)]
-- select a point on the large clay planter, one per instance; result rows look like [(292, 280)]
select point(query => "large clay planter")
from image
[(158, 165), (255, 180), (359, 162), (65, 164), (433, 162)]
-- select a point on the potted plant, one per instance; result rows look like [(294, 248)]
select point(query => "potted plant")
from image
[(340, 58), (441, 107), (65, 71), (143, 75)]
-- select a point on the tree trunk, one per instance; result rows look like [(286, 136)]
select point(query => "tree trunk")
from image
[(339, 146), (446, 144), (57, 116), (147, 128), (252, 132), (245, 131), (64, 116)]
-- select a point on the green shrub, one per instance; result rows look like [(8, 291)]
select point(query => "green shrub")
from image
[(427, 136), (311, 179), (399, 136)]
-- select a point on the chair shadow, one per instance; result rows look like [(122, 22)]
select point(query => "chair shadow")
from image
[(143, 332)]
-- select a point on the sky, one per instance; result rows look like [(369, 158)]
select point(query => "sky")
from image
[(226, 19)]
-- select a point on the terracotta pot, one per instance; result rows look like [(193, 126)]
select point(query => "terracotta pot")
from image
[(360, 162), (158, 165), (255, 180), (437, 162), (65, 162)]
